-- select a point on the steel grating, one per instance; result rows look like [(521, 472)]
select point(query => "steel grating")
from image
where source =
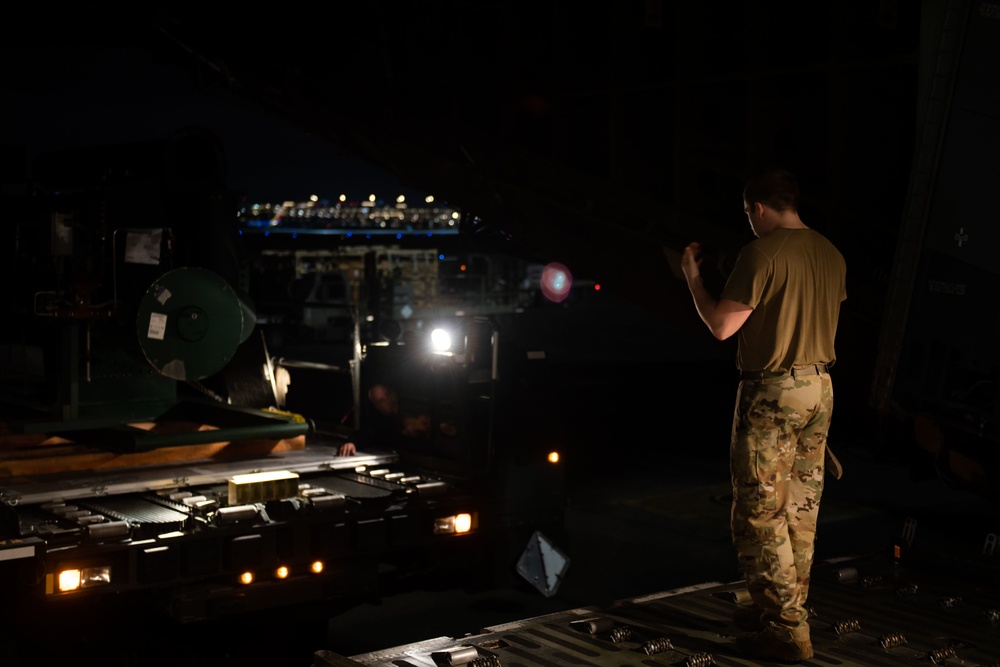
[(135, 510)]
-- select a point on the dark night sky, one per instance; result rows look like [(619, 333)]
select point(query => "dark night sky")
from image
[(597, 135), (644, 92), (100, 96)]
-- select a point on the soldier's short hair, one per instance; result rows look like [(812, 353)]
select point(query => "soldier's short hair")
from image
[(776, 188)]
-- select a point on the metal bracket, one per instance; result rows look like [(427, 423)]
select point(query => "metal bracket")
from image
[(992, 545), (909, 530)]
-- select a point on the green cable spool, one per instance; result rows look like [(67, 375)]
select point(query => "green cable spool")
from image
[(190, 322)]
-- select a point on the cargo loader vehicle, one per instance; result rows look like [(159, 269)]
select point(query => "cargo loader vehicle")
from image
[(152, 445)]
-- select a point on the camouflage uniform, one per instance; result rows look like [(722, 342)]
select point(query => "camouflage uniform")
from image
[(777, 451), (794, 280), (782, 302)]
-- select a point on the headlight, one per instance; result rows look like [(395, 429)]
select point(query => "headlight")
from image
[(440, 341), (75, 578), (455, 524), (69, 580)]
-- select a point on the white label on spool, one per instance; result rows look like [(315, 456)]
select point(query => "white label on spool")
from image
[(157, 326), (163, 294)]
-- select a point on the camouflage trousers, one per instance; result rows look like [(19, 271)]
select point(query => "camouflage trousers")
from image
[(776, 458)]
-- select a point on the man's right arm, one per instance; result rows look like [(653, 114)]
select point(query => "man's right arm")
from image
[(723, 317)]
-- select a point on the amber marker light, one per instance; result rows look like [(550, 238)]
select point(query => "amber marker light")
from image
[(246, 578), (281, 573), (553, 457), (316, 567)]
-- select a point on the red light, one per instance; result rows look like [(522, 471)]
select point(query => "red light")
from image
[(597, 287), (556, 282)]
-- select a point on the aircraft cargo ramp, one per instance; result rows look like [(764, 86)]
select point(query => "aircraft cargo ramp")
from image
[(866, 612)]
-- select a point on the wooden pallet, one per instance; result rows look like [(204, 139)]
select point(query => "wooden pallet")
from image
[(28, 455)]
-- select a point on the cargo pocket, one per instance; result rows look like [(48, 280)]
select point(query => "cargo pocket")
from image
[(754, 453)]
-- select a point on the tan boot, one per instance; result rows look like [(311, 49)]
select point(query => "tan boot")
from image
[(749, 617), (775, 642)]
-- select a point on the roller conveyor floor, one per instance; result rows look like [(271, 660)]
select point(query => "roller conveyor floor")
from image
[(866, 612)]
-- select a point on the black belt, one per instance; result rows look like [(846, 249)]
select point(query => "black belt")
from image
[(812, 369)]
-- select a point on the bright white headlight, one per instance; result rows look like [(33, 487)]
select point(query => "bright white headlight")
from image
[(440, 340)]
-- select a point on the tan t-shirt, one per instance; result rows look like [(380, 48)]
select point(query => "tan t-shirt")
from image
[(795, 280)]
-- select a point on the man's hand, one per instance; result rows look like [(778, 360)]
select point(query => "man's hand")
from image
[(419, 426), (691, 261), (348, 449), (723, 317)]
